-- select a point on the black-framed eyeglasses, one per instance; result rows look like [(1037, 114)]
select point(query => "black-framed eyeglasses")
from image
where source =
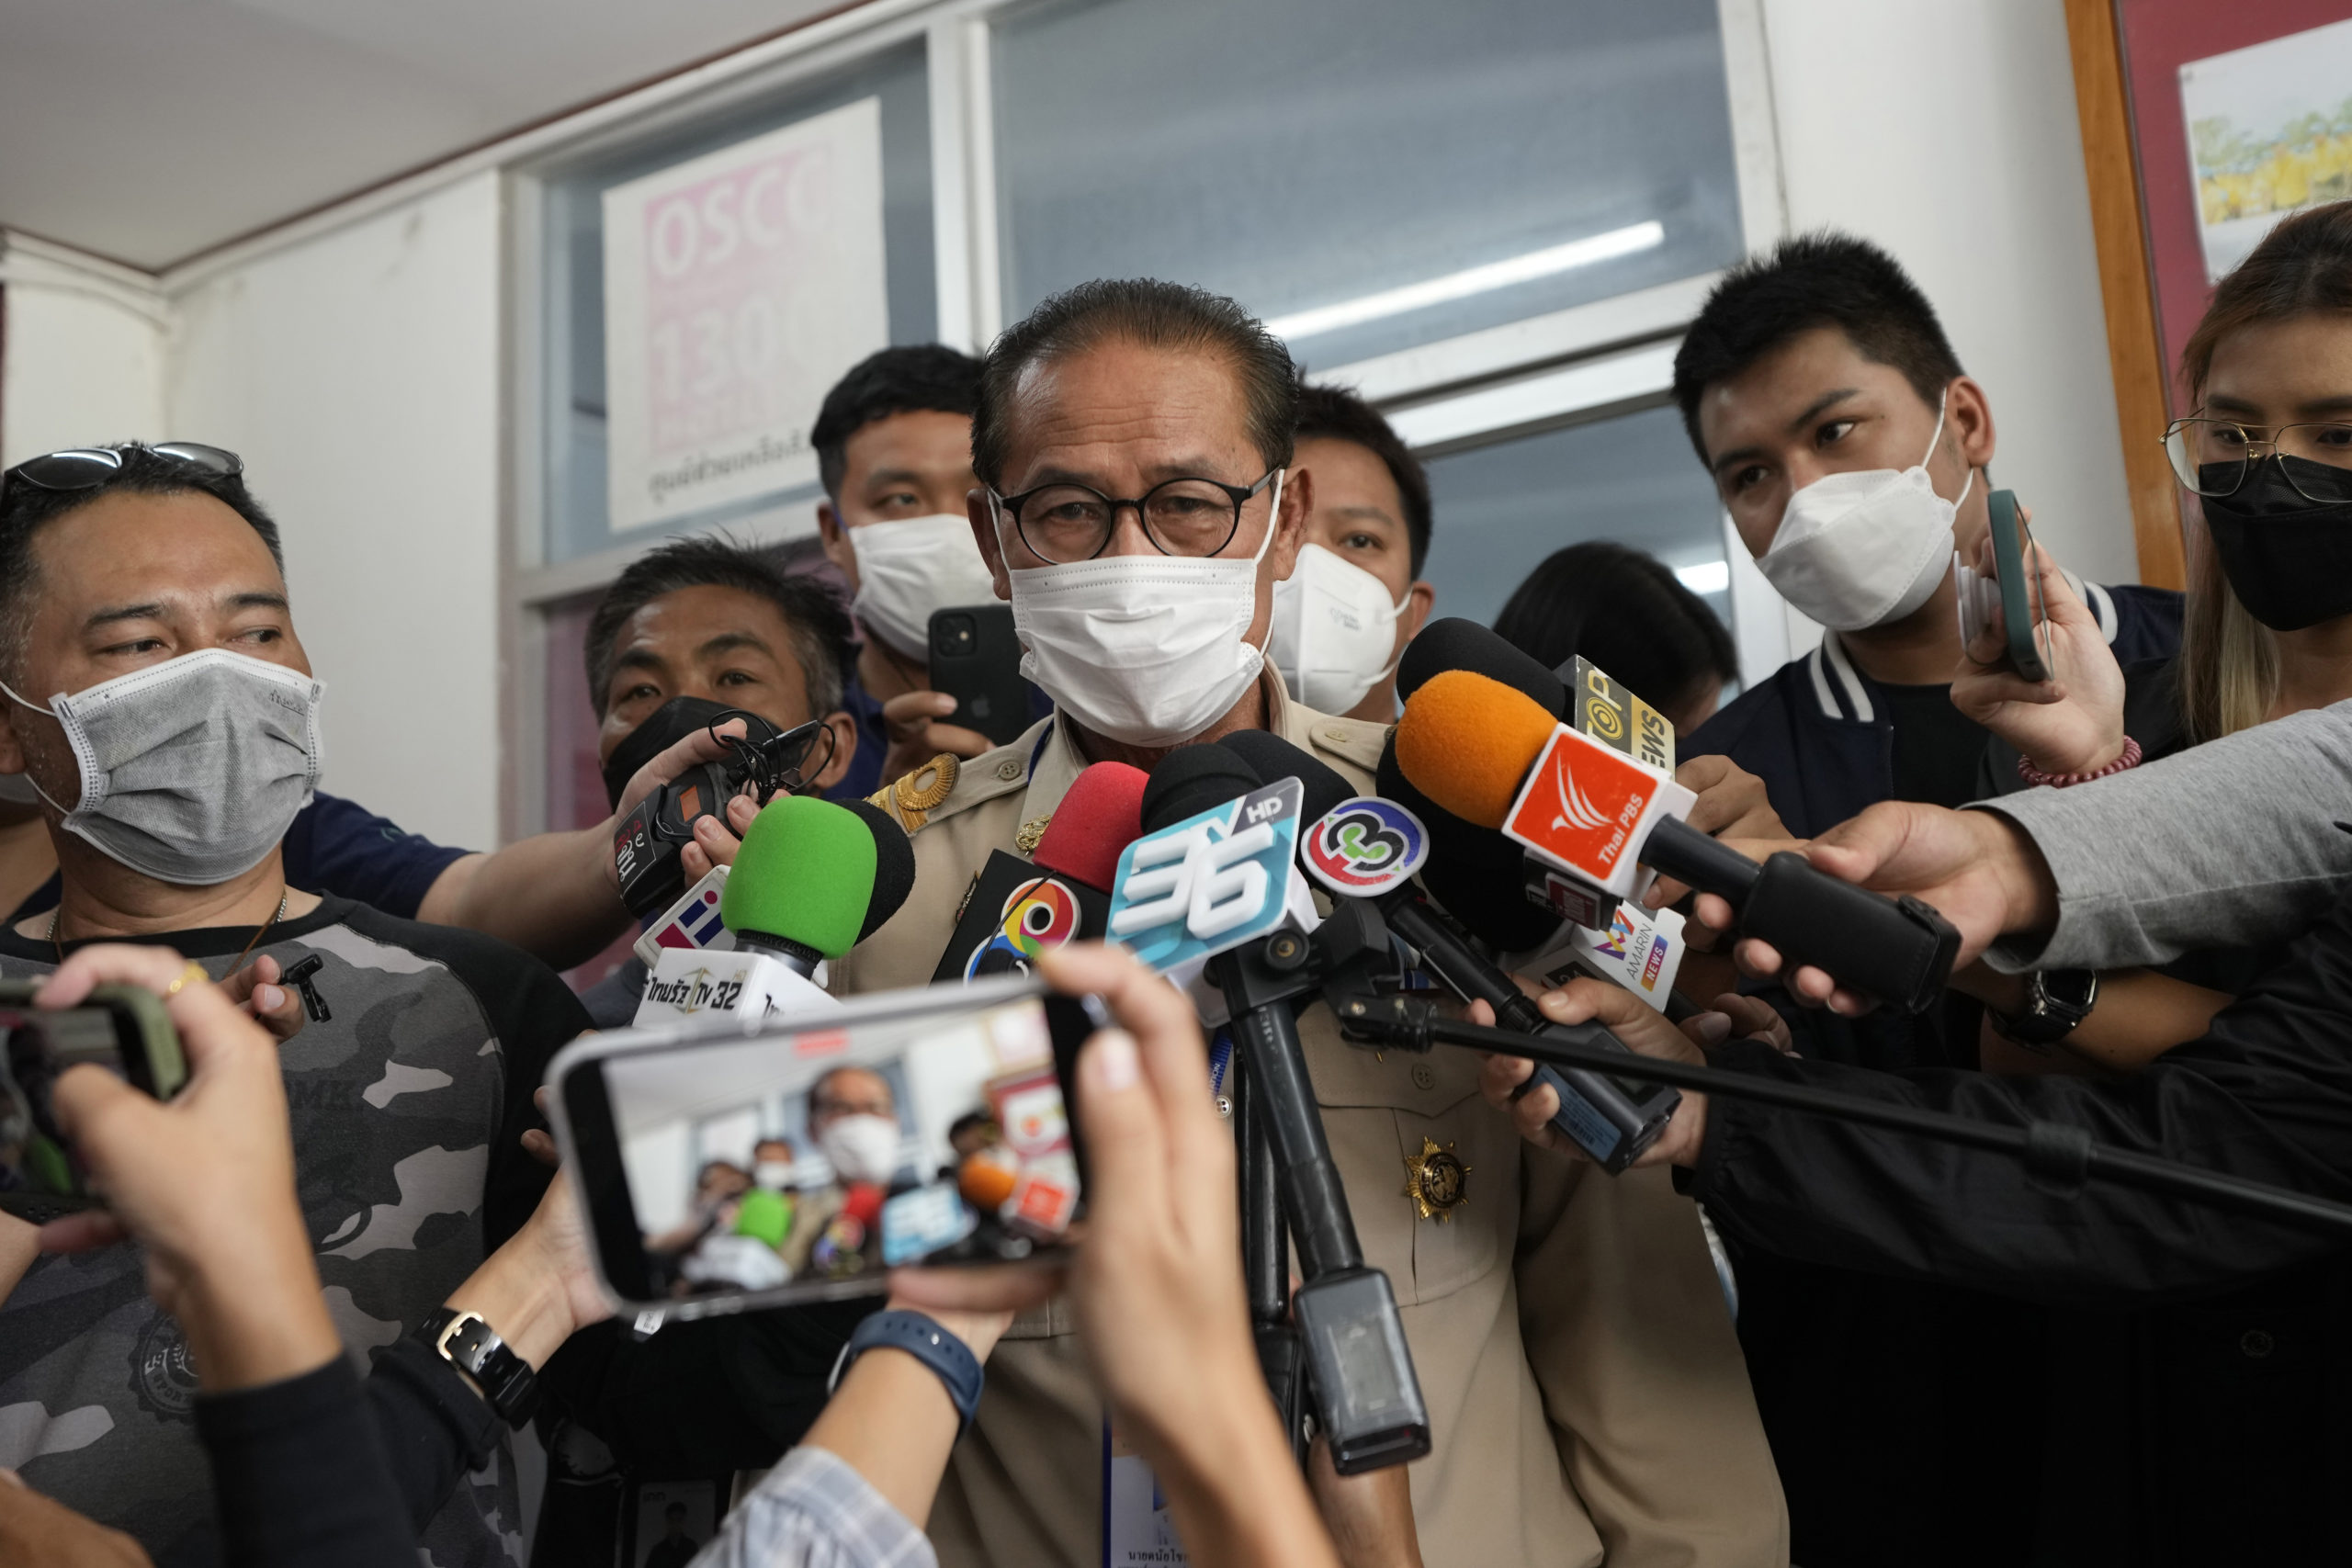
[(1065, 522), (86, 468), (2212, 456)]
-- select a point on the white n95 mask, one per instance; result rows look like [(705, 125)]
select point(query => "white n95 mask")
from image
[(1864, 548), (1146, 649), (861, 1147), (1334, 632), (907, 570), (193, 768)]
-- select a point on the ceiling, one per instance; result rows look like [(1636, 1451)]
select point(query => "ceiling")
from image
[(148, 131)]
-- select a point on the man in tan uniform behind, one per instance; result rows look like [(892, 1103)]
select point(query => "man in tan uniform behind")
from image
[(1585, 1392)]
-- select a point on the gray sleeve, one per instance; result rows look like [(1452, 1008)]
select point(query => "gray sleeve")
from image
[(2232, 842), (813, 1510)]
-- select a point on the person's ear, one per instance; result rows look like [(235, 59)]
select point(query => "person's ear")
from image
[(834, 535), (844, 731), (981, 510), (1969, 414), (1419, 600), (1290, 522)]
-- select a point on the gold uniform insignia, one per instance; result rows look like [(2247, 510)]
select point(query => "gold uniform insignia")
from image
[(910, 800), (1436, 1181)]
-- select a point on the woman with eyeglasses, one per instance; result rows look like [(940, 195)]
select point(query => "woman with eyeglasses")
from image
[(2203, 1432)]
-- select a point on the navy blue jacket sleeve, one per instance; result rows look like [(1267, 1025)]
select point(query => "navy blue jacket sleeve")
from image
[(340, 847)]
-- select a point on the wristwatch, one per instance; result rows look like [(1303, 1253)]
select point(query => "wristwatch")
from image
[(467, 1343), (948, 1357), (2055, 1001)]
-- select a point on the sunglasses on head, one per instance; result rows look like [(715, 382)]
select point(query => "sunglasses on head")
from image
[(86, 468)]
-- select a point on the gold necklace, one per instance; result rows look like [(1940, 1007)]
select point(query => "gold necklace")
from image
[(57, 918)]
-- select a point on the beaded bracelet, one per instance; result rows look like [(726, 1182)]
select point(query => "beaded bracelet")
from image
[(2033, 775)]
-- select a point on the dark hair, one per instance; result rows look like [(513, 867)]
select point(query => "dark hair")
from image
[(812, 611), (1823, 279), (1150, 314), (921, 378), (26, 509), (1625, 612), (1335, 413), (817, 1085)]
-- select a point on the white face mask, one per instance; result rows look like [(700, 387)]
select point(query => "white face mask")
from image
[(775, 1174), (906, 570), (1146, 649), (861, 1147), (193, 768), (1334, 632), (1864, 548)]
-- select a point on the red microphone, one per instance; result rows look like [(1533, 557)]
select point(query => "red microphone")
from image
[(1016, 909)]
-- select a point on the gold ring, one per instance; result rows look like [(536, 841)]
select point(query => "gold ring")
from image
[(193, 971)]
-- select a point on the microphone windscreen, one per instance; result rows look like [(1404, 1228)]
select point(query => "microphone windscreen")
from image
[(805, 872), (1190, 780), (1102, 815), (1477, 875), (1272, 757), (1457, 644), (1467, 741), (894, 865)]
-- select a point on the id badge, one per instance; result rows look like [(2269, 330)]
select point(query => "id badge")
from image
[(1137, 1529)]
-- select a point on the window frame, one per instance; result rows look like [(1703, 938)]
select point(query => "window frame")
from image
[(1586, 363)]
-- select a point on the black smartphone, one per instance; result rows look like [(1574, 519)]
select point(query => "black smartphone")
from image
[(121, 1027), (708, 1191), (976, 659)]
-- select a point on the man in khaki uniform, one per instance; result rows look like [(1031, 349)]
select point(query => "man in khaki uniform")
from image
[(1586, 1394)]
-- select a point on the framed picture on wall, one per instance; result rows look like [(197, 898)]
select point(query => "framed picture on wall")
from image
[(2202, 125)]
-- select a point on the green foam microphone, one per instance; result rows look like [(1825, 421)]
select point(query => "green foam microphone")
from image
[(802, 881)]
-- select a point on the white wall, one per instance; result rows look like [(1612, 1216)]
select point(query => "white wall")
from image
[(357, 372), (1945, 131), (85, 351)]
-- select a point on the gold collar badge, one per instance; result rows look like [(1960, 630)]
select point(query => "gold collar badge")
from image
[(1436, 1181)]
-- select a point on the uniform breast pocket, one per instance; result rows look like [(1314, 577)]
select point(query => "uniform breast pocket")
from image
[(1431, 1171)]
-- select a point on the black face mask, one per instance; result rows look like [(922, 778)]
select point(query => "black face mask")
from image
[(2288, 559), (663, 728)]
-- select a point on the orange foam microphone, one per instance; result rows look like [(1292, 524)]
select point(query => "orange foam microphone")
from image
[(1493, 756)]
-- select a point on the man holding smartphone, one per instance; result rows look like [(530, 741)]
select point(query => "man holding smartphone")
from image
[(1851, 453), (894, 448)]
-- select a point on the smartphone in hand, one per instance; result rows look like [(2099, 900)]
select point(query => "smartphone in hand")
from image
[(976, 659), (2015, 590), (121, 1027)]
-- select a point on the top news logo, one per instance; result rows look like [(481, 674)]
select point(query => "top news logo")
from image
[(1581, 804)]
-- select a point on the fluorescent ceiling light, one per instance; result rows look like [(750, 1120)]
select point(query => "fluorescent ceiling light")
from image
[(1474, 280), (1706, 576)]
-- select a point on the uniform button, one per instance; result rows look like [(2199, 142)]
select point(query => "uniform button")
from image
[(2257, 1343), (1423, 1077), (1336, 735), (1008, 770)]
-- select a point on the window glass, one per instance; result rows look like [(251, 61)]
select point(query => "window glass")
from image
[(576, 514), (1503, 158), (1502, 509)]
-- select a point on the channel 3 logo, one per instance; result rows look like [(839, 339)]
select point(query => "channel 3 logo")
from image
[(1364, 846), (1210, 882)]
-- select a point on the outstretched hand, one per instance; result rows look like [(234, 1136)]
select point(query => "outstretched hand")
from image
[(2072, 722)]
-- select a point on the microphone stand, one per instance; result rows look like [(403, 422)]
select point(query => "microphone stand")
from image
[(1265, 1257), (1357, 1365), (2063, 1156)]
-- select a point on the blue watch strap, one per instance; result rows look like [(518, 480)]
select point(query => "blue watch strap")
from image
[(920, 1336)]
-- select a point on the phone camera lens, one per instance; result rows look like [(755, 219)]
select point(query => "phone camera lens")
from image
[(955, 635)]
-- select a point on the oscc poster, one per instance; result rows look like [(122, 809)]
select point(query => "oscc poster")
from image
[(737, 288)]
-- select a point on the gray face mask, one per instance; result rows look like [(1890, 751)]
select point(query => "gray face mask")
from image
[(193, 768)]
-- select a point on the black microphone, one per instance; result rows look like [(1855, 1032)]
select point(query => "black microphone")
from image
[(1612, 1120), (1360, 1366)]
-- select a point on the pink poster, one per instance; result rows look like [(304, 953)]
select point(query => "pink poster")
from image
[(738, 286)]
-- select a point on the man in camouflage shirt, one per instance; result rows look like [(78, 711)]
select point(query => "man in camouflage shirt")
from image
[(410, 1081)]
